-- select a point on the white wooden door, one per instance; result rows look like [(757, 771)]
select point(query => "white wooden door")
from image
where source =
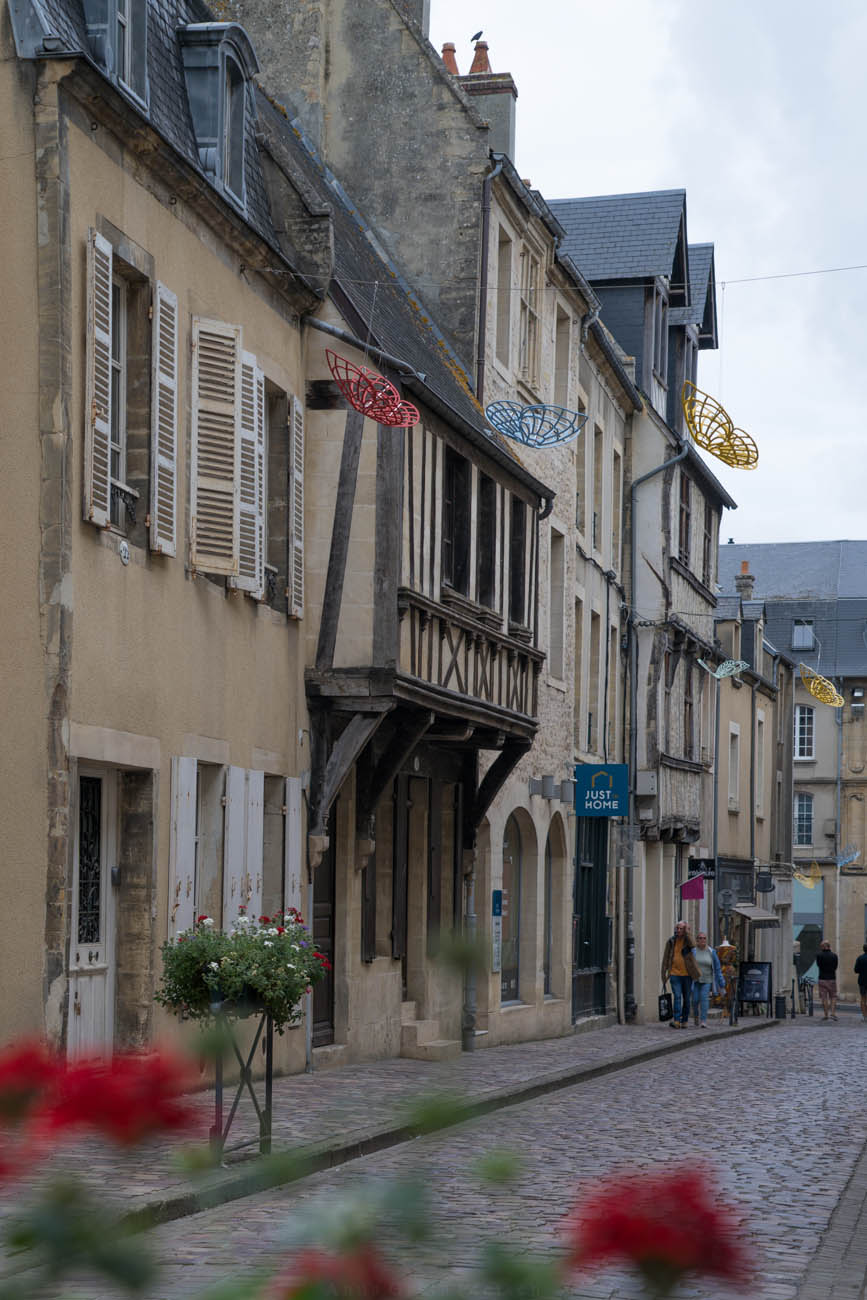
[(91, 949)]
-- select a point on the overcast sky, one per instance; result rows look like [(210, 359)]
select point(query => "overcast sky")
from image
[(758, 109)]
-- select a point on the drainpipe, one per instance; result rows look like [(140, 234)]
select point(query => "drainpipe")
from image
[(483, 281), (633, 718), (354, 342), (753, 686), (716, 753), (838, 819)]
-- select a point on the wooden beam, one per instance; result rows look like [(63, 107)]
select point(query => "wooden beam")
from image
[(408, 730), (346, 750), (389, 543), (340, 529), (492, 782)]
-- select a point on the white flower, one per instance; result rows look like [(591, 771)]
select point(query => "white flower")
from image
[(207, 920), (214, 965), (266, 944), (272, 930), (289, 966)]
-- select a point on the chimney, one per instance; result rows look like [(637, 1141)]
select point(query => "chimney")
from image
[(498, 104), (449, 58), (745, 581)]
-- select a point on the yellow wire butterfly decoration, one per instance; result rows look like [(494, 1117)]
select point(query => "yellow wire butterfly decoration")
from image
[(809, 878), (820, 688), (712, 429)]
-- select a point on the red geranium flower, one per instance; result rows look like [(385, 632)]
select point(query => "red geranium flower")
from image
[(323, 961), (264, 920), (667, 1224), (200, 919), (27, 1071), (360, 1274), (281, 929), (127, 1099)]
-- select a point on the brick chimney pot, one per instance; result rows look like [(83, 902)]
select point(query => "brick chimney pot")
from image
[(480, 58), (449, 59)]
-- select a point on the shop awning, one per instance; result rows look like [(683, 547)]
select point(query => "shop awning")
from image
[(756, 915)]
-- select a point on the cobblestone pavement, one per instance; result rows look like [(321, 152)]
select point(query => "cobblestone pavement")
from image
[(357, 1103), (779, 1115)]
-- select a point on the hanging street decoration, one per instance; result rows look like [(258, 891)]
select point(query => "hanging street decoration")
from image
[(371, 394), (849, 854), (819, 687), (728, 668), (713, 430), (535, 426), (809, 878)]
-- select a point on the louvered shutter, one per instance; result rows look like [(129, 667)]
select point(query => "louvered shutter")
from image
[(293, 845), (234, 844), (215, 446), (182, 847), (251, 504), (296, 557), (97, 418), (164, 423), (255, 841)]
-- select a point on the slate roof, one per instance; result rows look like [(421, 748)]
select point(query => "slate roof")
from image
[(700, 265), (168, 108), (622, 236), (825, 582)]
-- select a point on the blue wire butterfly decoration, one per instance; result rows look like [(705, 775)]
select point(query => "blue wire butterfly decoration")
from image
[(535, 426), (849, 854), (728, 668)]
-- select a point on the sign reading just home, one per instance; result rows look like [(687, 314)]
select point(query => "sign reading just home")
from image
[(702, 867), (601, 790)]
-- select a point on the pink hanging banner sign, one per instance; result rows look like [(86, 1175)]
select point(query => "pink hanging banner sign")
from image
[(693, 888)]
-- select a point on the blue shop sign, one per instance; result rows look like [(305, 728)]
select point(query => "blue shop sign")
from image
[(601, 789)]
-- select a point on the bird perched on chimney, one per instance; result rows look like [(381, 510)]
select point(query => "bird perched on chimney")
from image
[(477, 37)]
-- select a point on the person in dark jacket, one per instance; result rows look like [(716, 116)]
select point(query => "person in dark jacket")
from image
[(826, 960), (861, 972)]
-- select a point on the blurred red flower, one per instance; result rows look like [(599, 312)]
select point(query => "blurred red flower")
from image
[(359, 1274), (127, 1099), (667, 1224), (27, 1071)]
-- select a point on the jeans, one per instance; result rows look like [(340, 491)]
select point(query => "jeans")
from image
[(680, 986), (700, 1000)]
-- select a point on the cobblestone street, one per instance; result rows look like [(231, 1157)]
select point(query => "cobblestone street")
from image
[(779, 1115)]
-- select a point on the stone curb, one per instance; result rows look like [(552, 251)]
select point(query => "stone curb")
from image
[(277, 1170)]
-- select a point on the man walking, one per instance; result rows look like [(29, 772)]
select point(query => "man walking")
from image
[(678, 965), (826, 960), (861, 972)]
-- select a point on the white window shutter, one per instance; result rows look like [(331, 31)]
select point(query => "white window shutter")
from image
[(164, 423), (296, 556), (216, 446), (251, 504), (255, 841), (182, 847), (234, 844), (293, 846), (97, 416)]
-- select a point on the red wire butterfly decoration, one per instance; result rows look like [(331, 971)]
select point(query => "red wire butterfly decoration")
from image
[(371, 394)]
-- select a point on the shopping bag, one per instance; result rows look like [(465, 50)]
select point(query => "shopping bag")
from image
[(666, 1008)]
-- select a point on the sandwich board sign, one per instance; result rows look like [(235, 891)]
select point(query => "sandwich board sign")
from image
[(601, 789)]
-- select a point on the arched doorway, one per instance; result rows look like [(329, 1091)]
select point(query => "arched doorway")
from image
[(512, 871)]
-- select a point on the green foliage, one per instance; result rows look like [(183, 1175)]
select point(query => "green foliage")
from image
[(267, 965), (499, 1168)]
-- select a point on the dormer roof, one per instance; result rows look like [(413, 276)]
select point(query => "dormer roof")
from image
[(616, 237), (702, 296)]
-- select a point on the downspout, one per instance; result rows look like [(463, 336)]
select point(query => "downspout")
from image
[(354, 342), (483, 281), (716, 754), (630, 1003), (753, 687), (838, 820)]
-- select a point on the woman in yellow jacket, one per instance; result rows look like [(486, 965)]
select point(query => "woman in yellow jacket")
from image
[(678, 965)]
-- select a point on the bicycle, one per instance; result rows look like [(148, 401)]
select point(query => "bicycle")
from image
[(805, 992)]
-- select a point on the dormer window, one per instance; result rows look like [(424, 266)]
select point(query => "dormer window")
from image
[(218, 64), (117, 31), (660, 335)]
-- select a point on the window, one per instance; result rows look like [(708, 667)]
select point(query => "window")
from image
[(669, 669), (683, 537), (660, 335), (561, 357), (802, 634), (688, 712), (547, 925), (456, 522), (229, 508), (511, 950), (707, 546), (760, 763), (117, 32), (218, 64), (577, 732), (803, 828), (486, 542), (130, 428), (598, 467), (504, 298), (581, 473), (517, 562), (616, 513), (556, 608), (734, 766), (529, 318), (595, 667), (805, 741)]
